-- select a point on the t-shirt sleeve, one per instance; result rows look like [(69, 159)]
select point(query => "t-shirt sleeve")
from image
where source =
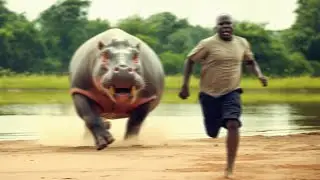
[(199, 52), (248, 54)]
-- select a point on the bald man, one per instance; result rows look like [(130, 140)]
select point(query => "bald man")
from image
[(221, 57)]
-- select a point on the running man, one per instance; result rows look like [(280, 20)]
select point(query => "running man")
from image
[(221, 57)]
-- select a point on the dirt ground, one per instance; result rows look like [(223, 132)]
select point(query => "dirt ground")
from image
[(292, 157)]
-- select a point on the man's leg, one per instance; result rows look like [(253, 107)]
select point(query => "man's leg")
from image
[(211, 110), (231, 112)]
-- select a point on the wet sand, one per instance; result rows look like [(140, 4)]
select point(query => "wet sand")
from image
[(295, 157)]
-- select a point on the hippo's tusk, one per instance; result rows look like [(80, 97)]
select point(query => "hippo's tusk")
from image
[(133, 94), (110, 91)]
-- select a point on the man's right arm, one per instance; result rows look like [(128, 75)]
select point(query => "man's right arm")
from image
[(197, 54)]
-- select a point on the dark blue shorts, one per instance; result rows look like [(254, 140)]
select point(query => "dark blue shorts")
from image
[(218, 111)]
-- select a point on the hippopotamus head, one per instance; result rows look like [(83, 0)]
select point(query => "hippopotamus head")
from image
[(117, 70)]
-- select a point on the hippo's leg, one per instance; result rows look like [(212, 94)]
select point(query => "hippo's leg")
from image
[(135, 120), (106, 124), (84, 108)]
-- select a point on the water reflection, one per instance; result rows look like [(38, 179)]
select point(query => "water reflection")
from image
[(36, 109), (310, 112), (182, 120)]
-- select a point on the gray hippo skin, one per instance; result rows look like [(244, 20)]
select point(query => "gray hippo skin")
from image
[(115, 75)]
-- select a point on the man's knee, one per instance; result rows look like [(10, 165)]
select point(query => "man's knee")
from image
[(212, 127), (213, 133), (232, 124)]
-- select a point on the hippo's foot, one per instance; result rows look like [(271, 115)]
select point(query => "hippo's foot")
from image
[(102, 141), (102, 137)]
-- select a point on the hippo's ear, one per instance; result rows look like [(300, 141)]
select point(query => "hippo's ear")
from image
[(100, 45)]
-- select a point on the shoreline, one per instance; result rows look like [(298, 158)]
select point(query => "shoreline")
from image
[(221, 136), (310, 133)]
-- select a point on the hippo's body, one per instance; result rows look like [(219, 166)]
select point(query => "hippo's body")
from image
[(115, 75)]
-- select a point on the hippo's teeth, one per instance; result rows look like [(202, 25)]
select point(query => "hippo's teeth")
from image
[(133, 94), (111, 93), (111, 90)]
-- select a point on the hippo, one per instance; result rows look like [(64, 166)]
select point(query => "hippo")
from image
[(115, 75)]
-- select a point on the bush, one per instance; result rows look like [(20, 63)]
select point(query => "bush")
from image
[(316, 68), (6, 72)]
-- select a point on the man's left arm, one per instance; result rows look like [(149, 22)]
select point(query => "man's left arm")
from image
[(253, 65)]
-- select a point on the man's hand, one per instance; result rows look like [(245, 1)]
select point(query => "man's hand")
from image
[(263, 80), (184, 92)]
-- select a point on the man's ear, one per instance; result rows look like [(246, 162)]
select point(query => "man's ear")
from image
[(100, 45)]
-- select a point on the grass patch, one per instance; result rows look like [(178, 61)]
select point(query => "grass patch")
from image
[(172, 82), (34, 82), (31, 97), (170, 97), (253, 98)]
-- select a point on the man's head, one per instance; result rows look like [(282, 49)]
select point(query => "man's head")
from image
[(224, 27)]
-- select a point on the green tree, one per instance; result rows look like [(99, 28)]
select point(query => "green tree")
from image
[(137, 26), (47, 44), (163, 25), (20, 43), (62, 29), (304, 36), (172, 62), (271, 54)]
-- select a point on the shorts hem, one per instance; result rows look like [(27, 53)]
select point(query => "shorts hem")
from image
[(225, 120)]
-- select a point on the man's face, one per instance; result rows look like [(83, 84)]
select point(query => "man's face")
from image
[(224, 27)]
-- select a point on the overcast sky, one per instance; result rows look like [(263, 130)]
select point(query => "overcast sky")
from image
[(278, 14)]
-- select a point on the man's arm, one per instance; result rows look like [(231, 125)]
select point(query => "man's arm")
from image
[(188, 68), (189, 63), (197, 54), (250, 61), (252, 64)]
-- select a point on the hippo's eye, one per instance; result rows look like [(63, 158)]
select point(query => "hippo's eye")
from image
[(135, 58), (105, 57)]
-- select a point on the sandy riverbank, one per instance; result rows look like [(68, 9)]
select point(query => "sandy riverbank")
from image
[(279, 158)]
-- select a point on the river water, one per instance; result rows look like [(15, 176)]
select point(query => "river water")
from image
[(59, 121)]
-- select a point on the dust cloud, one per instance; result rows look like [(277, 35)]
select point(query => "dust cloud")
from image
[(69, 131)]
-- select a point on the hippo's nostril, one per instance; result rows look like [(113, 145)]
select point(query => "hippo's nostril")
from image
[(130, 69), (116, 69), (105, 68)]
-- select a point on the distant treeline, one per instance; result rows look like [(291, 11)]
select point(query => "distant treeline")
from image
[(46, 44)]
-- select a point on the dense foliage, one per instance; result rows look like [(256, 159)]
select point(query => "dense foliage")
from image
[(46, 44)]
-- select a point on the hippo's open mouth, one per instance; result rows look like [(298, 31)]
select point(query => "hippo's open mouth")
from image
[(122, 94), (123, 90)]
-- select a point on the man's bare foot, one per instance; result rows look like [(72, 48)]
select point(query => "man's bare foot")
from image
[(228, 172)]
